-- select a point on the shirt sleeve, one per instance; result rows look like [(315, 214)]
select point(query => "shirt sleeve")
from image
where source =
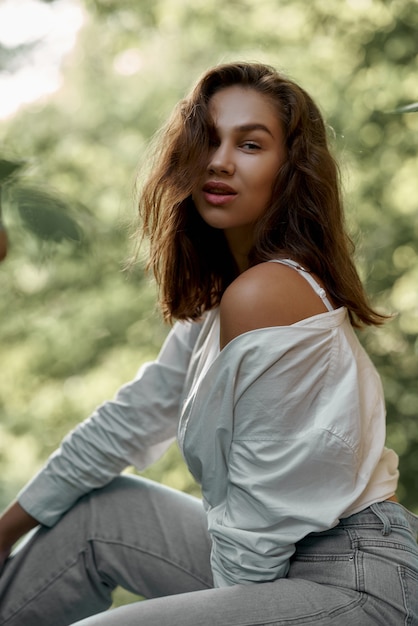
[(135, 428)]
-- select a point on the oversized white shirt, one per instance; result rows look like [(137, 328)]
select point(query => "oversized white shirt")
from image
[(284, 429)]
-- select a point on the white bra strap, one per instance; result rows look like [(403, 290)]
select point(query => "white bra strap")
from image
[(307, 275)]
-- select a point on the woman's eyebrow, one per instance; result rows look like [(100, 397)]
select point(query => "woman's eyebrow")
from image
[(256, 126), (243, 128)]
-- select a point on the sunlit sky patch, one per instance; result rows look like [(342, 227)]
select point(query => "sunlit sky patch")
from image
[(56, 26)]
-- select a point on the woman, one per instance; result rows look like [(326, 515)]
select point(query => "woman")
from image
[(278, 410)]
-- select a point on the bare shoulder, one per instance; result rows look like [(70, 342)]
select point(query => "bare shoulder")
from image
[(266, 295)]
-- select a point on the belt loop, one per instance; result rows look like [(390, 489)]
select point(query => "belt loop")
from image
[(387, 529)]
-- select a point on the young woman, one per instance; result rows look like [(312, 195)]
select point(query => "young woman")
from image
[(277, 409)]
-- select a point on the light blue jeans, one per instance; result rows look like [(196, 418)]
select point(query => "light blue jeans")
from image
[(153, 540)]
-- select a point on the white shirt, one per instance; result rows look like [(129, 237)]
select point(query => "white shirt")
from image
[(286, 436), (284, 429)]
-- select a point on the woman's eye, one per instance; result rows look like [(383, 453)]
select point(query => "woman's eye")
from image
[(250, 145)]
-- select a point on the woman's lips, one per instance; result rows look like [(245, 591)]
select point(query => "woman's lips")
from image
[(218, 193)]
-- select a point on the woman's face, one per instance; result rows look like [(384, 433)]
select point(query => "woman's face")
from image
[(246, 154)]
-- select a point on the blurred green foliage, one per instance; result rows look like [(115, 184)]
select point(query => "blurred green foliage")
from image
[(74, 326)]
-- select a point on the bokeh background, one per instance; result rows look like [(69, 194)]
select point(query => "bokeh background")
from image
[(96, 81)]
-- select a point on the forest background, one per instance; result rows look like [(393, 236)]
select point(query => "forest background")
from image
[(74, 325)]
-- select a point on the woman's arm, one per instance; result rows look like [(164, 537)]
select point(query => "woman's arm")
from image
[(14, 523), (134, 428)]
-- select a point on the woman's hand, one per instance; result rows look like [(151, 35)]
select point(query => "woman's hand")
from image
[(14, 523), (4, 555)]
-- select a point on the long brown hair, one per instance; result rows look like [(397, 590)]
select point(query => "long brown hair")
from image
[(305, 220)]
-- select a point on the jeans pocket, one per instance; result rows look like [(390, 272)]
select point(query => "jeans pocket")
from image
[(409, 584), (337, 571)]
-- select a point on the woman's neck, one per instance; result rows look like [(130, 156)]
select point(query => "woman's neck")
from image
[(240, 244)]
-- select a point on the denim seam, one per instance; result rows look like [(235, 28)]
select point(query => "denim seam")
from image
[(308, 558), (42, 588), (313, 618), (179, 566), (354, 538), (363, 543), (359, 570), (386, 525), (405, 595)]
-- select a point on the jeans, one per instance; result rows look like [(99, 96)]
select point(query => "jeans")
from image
[(153, 540)]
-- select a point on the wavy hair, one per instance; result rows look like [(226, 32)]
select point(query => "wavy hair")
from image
[(304, 221)]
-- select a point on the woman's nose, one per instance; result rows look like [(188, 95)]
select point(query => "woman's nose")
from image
[(221, 161)]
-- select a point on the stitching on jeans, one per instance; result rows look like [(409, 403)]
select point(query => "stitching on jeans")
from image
[(402, 573), (304, 557), (386, 544), (386, 525), (42, 588), (359, 570), (313, 618), (179, 566)]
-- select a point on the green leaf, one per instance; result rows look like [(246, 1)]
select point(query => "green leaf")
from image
[(45, 214), (9, 168)]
